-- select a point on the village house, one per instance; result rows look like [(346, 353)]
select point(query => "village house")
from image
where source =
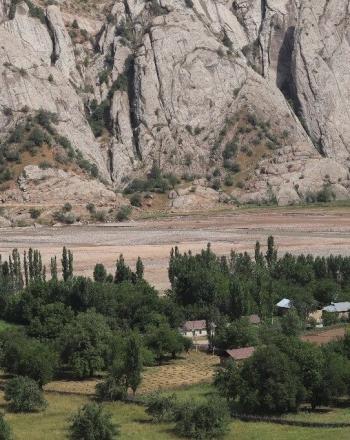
[(237, 355), (342, 309), (194, 329)]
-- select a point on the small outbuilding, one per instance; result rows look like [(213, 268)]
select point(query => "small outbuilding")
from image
[(284, 306), (236, 354)]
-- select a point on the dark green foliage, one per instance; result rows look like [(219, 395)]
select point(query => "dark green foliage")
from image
[(123, 213), (202, 421), (92, 423), (139, 269), (133, 362), (161, 408), (67, 264), (5, 430), (237, 334), (99, 118), (279, 392), (49, 320), (100, 273), (83, 344), (24, 395), (28, 357), (136, 200), (163, 341), (227, 380)]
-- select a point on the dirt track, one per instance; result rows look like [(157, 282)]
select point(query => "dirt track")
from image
[(316, 231)]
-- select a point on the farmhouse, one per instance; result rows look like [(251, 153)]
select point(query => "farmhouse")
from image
[(284, 306), (193, 329), (342, 309), (237, 354)]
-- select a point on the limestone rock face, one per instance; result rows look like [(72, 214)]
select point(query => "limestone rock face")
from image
[(171, 81), (52, 186), (320, 69)]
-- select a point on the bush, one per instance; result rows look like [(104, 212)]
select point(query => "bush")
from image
[(229, 180), (100, 216), (123, 213), (92, 423), (202, 420), (135, 200), (91, 208), (28, 357), (34, 213), (161, 408), (329, 318), (24, 395), (5, 430), (63, 217)]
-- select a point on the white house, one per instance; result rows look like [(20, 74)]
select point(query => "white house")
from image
[(193, 329)]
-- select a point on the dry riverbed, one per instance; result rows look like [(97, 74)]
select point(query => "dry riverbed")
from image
[(319, 231)]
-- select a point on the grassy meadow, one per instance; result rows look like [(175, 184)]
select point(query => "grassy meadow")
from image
[(52, 424)]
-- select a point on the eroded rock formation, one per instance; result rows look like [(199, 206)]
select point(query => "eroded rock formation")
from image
[(174, 80)]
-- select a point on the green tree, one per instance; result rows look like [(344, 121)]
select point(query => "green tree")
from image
[(271, 254), (161, 407), (114, 386), (53, 268), (67, 264), (139, 269), (291, 323), (28, 357), (92, 423), (100, 273), (123, 272), (202, 421), (24, 395), (237, 334), (83, 344), (133, 362), (270, 384), (228, 381)]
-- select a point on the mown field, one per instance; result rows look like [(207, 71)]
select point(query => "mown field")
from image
[(135, 424)]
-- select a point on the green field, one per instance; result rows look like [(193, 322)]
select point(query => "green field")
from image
[(135, 425)]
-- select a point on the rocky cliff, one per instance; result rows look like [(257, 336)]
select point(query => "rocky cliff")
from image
[(254, 93)]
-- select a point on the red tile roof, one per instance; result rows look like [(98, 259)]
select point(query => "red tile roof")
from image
[(194, 325), (239, 354)]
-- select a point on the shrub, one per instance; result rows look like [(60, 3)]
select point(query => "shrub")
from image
[(24, 395), (202, 420), (67, 207), (161, 408), (91, 207), (5, 430), (189, 3), (38, 137), (92, 422), (64, 217), (123, 213), (100, 216), (329, 318), (216, 184), (34, 213), (135, 200), (229, 180)]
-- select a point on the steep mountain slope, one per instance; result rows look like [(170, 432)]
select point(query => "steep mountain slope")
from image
[(256, 89)]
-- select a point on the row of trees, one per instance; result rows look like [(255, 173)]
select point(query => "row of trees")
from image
[(227, 288), (285, 372)]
